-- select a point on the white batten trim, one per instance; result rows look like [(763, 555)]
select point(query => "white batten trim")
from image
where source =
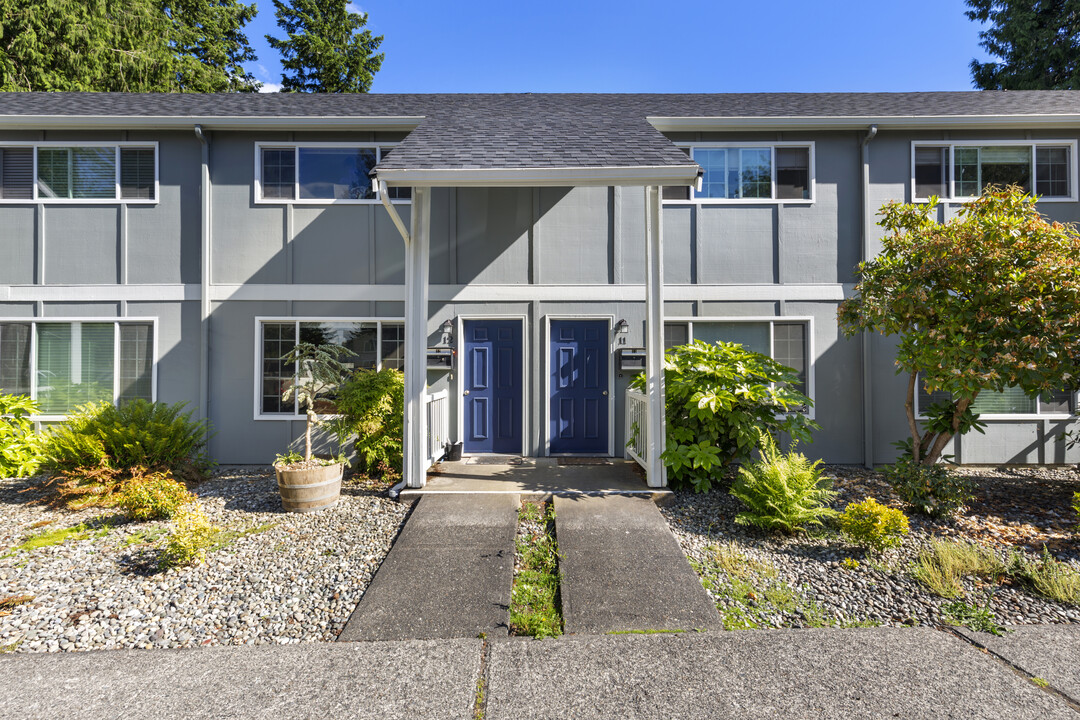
[(99, 293), (856, 122), (184, 122), (833, 292), (542, 177)]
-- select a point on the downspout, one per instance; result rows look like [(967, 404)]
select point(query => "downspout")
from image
[(384, 198), (204, 280), (867, 380)]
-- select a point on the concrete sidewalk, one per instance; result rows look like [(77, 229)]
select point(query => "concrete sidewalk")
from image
[(622, 569), (789, 674), (448, 574)]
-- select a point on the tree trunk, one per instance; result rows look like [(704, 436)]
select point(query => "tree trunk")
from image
[(307, 435), (909, 405), (943, 439)]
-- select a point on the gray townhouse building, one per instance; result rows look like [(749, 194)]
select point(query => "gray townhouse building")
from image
[(520, 256)]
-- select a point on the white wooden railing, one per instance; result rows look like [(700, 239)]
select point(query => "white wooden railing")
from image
[(637, 408), (438, 425)]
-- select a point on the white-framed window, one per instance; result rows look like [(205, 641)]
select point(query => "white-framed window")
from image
[(750, 173), (79, 172), (64, 363), (375, 343), (788, 340), (320, 173), (1011, 403), (961, 170)]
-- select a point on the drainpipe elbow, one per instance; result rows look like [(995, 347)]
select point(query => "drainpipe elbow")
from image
[(871, 133)]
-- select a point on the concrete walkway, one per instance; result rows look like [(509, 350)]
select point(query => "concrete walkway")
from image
[(448, 574), (622, 569), (790, 674)]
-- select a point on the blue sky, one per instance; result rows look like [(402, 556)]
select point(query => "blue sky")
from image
[(689, 46)]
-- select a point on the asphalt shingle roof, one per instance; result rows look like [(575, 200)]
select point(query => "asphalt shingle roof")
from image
[(540, 130)]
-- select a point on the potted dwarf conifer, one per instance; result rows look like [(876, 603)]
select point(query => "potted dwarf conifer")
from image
[(308, 483)]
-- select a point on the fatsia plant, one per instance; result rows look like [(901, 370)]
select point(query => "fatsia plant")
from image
[(319, 373), (987, 300), (719, 398)]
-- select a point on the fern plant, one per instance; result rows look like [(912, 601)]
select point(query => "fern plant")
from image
[(782, 492)]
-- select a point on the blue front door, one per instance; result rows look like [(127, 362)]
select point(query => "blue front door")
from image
[(579, 386), (493, 386)]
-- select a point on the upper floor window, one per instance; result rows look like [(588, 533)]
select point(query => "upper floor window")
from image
[(319, 173), (63, 364), (743, 172), (961, 171), (78, 173)]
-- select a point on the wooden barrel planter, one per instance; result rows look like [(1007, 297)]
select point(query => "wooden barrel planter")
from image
[(310, 489)]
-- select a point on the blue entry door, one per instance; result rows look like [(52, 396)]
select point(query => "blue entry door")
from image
[(579, 386), (493, 386)]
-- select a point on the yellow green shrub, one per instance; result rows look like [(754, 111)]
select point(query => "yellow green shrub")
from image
[(153, 495), (190, 537), (872, 525)]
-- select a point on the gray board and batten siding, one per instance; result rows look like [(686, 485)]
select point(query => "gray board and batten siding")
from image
[(533, 253)]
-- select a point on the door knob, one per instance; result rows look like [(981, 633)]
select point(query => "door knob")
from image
[(466, 392), (605, 392)]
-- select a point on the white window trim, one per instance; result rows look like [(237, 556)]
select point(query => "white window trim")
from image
[(258, 358), (116, 200), (1033, 144), (35, 321), (296, 199), (1009, 416), (811, 358), (754, 201)]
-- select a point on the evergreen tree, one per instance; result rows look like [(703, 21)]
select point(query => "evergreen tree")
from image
[(125, 45), (1037, 41), (327, 49), (209, 45)]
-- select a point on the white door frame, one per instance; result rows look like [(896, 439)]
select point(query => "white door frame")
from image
[(546, 364), (459, 382)]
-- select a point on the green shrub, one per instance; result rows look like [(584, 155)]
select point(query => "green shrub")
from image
[(135, 434), (784, 492), (932, 490), (719, 398), (872, 525), (190, 538), (152, 495), (1076, 508), (372, 407), (20, 445)]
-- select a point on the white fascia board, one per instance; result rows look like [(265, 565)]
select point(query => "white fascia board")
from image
[(100, 293), (894, 122), (120, 122), (542, 177)]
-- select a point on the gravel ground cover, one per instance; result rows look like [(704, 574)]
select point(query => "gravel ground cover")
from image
[(279, 578), (761, 580)]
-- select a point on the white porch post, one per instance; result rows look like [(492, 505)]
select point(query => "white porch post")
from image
[(656, 473), (416, 320)]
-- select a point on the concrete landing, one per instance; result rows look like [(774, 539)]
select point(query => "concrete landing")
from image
[(622, 569), (537, 479), (448, 575)]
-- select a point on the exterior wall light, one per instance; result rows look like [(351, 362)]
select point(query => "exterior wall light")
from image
[(447, 330), (622, 327)]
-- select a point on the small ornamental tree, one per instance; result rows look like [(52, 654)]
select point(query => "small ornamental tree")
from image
[(987, 300), (719, 399), (319, 373)]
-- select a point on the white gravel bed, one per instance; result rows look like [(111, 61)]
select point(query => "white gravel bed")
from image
[(294, 578), (879, 591)]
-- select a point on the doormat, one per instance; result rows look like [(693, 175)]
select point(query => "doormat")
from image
[(494, 460), (585, 461)]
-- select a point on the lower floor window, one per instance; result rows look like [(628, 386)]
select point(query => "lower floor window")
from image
[(1010, 401), (65, 364), (372, 344), (784, 341)]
